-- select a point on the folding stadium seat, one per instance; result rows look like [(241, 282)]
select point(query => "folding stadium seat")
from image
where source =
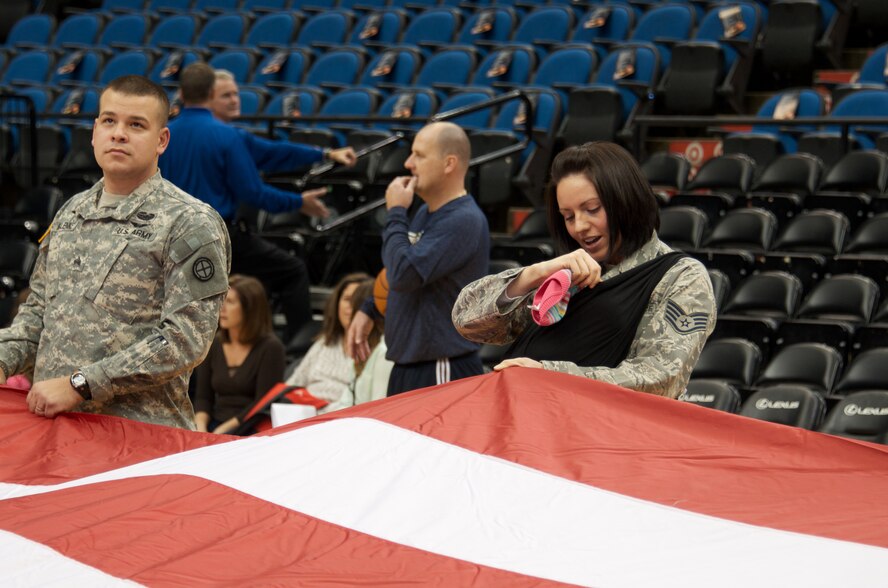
[(683, 227), (766, 294), (224, 31), (392, 68), (447, 70), (805, 244), (870, 77), (663, 26), (718, 183), (712, 394), (605, 109), (829, 144), (34, 31), (28, 68), (124, 31), (77, 68), (479, 119), (831, 312), (543, 28), (749, 229), (564, 69), (505, 67), (807, 364), (294, 103), (432, 29), (240, 62), (282, 68), (378, 29), (525, 168), (324, 31), (867, 370), (132, 62), (488, 27), (853, 185), (734, 360), (334, 70), (785, 184), (604, 26), (765, 142), (799, 31), (272, 31), (796, 406), (356, 102), (77, 31), (173, 32), (861, 415), (667, 173), (530, 243), (715, 66), (871, 237), (167, 66)]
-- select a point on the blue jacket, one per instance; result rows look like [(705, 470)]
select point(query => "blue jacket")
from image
[(210, 160), (279, 156)]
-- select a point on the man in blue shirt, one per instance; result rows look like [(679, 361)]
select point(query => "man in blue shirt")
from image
[(428, 259), (210, 160), (270, 156)]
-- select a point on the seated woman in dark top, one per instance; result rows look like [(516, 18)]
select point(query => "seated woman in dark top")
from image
[(640, 312), (244, 362)]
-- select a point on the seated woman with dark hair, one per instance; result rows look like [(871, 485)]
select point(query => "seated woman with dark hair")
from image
[(244, 362), (326, 371), (639, 312)]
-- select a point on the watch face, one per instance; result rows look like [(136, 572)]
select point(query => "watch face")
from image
[(78, 380)]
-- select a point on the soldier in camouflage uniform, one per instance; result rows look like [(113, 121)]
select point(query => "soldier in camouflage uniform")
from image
[(126, 293), (599, 200)]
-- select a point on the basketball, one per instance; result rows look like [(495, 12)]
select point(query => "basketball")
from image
[(380, 292)]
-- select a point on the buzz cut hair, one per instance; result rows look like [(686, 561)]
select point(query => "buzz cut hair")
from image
[(196, 83), (133, 85)]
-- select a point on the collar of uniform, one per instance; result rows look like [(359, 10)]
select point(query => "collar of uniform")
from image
[(653, 248), (127, 207)]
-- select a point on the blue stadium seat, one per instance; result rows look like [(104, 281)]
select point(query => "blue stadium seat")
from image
[(828, 144), (488, 26), (447, 70), (167, 67), (352, 102), (432, 29), (240, 62), (325, 31), (272, 31), (378, 29), (31, 32), (78, 30), (566, 69), (505, 67), (173, 32), (27, 69), (663, 26), (132, 62), (392, 68), (221, 32), (124, 31), (78, 67), (282, 68), (480, 119), (604, 26), (544, 27)]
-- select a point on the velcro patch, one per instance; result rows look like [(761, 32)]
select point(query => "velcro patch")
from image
[(683, 322)]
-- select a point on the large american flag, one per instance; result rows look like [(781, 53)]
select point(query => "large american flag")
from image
[(517, 478)]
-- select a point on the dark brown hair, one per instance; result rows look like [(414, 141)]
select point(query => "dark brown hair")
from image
[(196, 83), (141, 86), (331, 331), (627, 198), (254, 305)]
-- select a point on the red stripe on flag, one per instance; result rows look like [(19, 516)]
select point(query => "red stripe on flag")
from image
[(181, 530)]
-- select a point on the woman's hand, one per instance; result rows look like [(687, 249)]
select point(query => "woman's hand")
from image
[(585, 273), (228, 425), (517, 362)]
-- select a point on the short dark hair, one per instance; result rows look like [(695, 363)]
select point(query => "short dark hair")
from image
[(132, 85), (632, 211), (254, 306), (332, 331), (196, 83)]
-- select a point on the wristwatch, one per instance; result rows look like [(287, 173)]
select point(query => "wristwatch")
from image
[(79, 383), (327, 151)]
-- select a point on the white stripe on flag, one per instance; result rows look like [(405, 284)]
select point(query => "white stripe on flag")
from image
[(414, 490), (37, 565)]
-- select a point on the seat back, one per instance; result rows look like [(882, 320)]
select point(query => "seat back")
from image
[(290, 72), (810, 103), (611, 23), (815, 231), (683, 227), (873, 69), (670, 23), (871, 237), (767, 294), (381, 70), (125, 30), (422, 103), (494, 23), (731, 173), (225, 30), (859, 171), (448, 66), (796, 406), (382, 26), (519, 64), (435, 26), (28, 68), (731, 359), (860, 415), (177, 30), (133, 62), (548, 24), (752, 229), (712, 394), (77, 68), (668, 170), (846, 297), (798, 173), (168, 66), (275, 30), (78, 29), (239, 62), (32, 31), (809, 364), (867, 371), (341, 66), (480, 119)]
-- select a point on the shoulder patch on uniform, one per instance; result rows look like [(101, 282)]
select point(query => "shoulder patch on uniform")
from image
[(683, 322), (203, 269)]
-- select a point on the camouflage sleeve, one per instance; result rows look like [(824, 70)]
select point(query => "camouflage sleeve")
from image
[(195, 282), (673, 329), (483, 314), (18, 342)]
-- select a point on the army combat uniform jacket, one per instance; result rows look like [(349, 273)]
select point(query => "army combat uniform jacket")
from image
[(130, 295), (679, 317)]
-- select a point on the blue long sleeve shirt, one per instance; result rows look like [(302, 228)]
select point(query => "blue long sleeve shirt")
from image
[(428, 260), (279, 156), (210, 160)]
